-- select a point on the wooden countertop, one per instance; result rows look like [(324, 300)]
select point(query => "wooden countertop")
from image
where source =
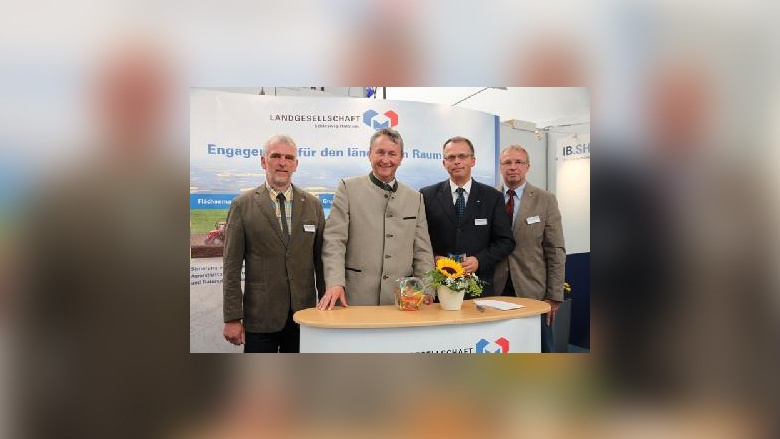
[(389, 316)]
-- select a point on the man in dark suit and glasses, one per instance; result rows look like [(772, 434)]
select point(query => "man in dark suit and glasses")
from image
[(466, 217), (276, 230)]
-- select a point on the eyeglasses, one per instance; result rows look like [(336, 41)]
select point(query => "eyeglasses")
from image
[(452, 157), (510, 162)]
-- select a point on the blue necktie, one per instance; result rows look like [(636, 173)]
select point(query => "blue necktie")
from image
[(460, 204)]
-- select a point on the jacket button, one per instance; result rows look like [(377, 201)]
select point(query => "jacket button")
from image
[(389, 215), (389, 235), (385, 195), (385, 277), (387, 256)]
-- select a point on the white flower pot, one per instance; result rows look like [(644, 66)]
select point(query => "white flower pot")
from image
[(449, 300)]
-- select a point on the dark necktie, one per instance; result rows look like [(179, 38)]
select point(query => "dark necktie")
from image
[(460, 204), (510, 204), (285, 231)]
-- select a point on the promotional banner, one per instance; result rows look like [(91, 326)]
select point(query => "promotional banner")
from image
[(227, 132)]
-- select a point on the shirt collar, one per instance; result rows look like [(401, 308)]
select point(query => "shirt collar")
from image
[(274, 193), (518, 191), (466, 187), (393, 185)]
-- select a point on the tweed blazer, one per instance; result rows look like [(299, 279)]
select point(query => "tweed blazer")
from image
[(537, 265), (374, 237), (279, 277)]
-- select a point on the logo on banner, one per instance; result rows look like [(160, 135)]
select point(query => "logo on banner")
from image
[(498, 346), (326, 200), (321, 120), (388, 119), (578, 151)]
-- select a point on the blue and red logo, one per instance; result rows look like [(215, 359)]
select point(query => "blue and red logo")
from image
[(499, 346), (388, 119)]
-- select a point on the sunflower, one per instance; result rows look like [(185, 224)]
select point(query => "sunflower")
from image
[(450, 268)]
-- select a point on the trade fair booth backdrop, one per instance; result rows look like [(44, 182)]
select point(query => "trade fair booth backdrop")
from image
[(572, 188), (227, 132)]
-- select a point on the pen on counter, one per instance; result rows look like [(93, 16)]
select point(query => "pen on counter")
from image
[(480, 308)]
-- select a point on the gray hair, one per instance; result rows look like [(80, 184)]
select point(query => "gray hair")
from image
[(279, 138), (516, 148), (391, 134)]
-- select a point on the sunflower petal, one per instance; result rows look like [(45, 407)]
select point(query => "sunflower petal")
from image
[(449, 268)]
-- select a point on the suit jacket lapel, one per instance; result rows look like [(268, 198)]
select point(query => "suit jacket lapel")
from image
[(445, 199), (296, 223), (269, 210), (526, 205), (475, 199), (502, 189)]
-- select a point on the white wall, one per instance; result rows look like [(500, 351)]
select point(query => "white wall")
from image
[(572, 183), (553, 136)]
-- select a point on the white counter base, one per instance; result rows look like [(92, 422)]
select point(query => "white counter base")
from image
[(513, 335)]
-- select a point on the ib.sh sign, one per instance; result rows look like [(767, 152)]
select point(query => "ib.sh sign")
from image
[(576, 151)]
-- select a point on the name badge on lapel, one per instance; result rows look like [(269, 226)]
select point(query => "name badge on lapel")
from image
[(480, 221), (311, 228), (532, 219)]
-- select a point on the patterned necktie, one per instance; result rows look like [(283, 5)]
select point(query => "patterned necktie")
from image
[(285, 231), (510, 204), (460, 204)]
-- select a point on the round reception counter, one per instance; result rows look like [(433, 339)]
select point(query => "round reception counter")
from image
[(388, 329)]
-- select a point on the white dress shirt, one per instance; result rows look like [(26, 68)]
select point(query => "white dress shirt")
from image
[(466, 187)]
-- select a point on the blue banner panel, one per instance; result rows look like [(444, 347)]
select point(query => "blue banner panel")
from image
[(327, 200), (578, 276), (211, 201)]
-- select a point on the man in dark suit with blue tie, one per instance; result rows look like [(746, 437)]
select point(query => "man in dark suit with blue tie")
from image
[(466, 217)]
